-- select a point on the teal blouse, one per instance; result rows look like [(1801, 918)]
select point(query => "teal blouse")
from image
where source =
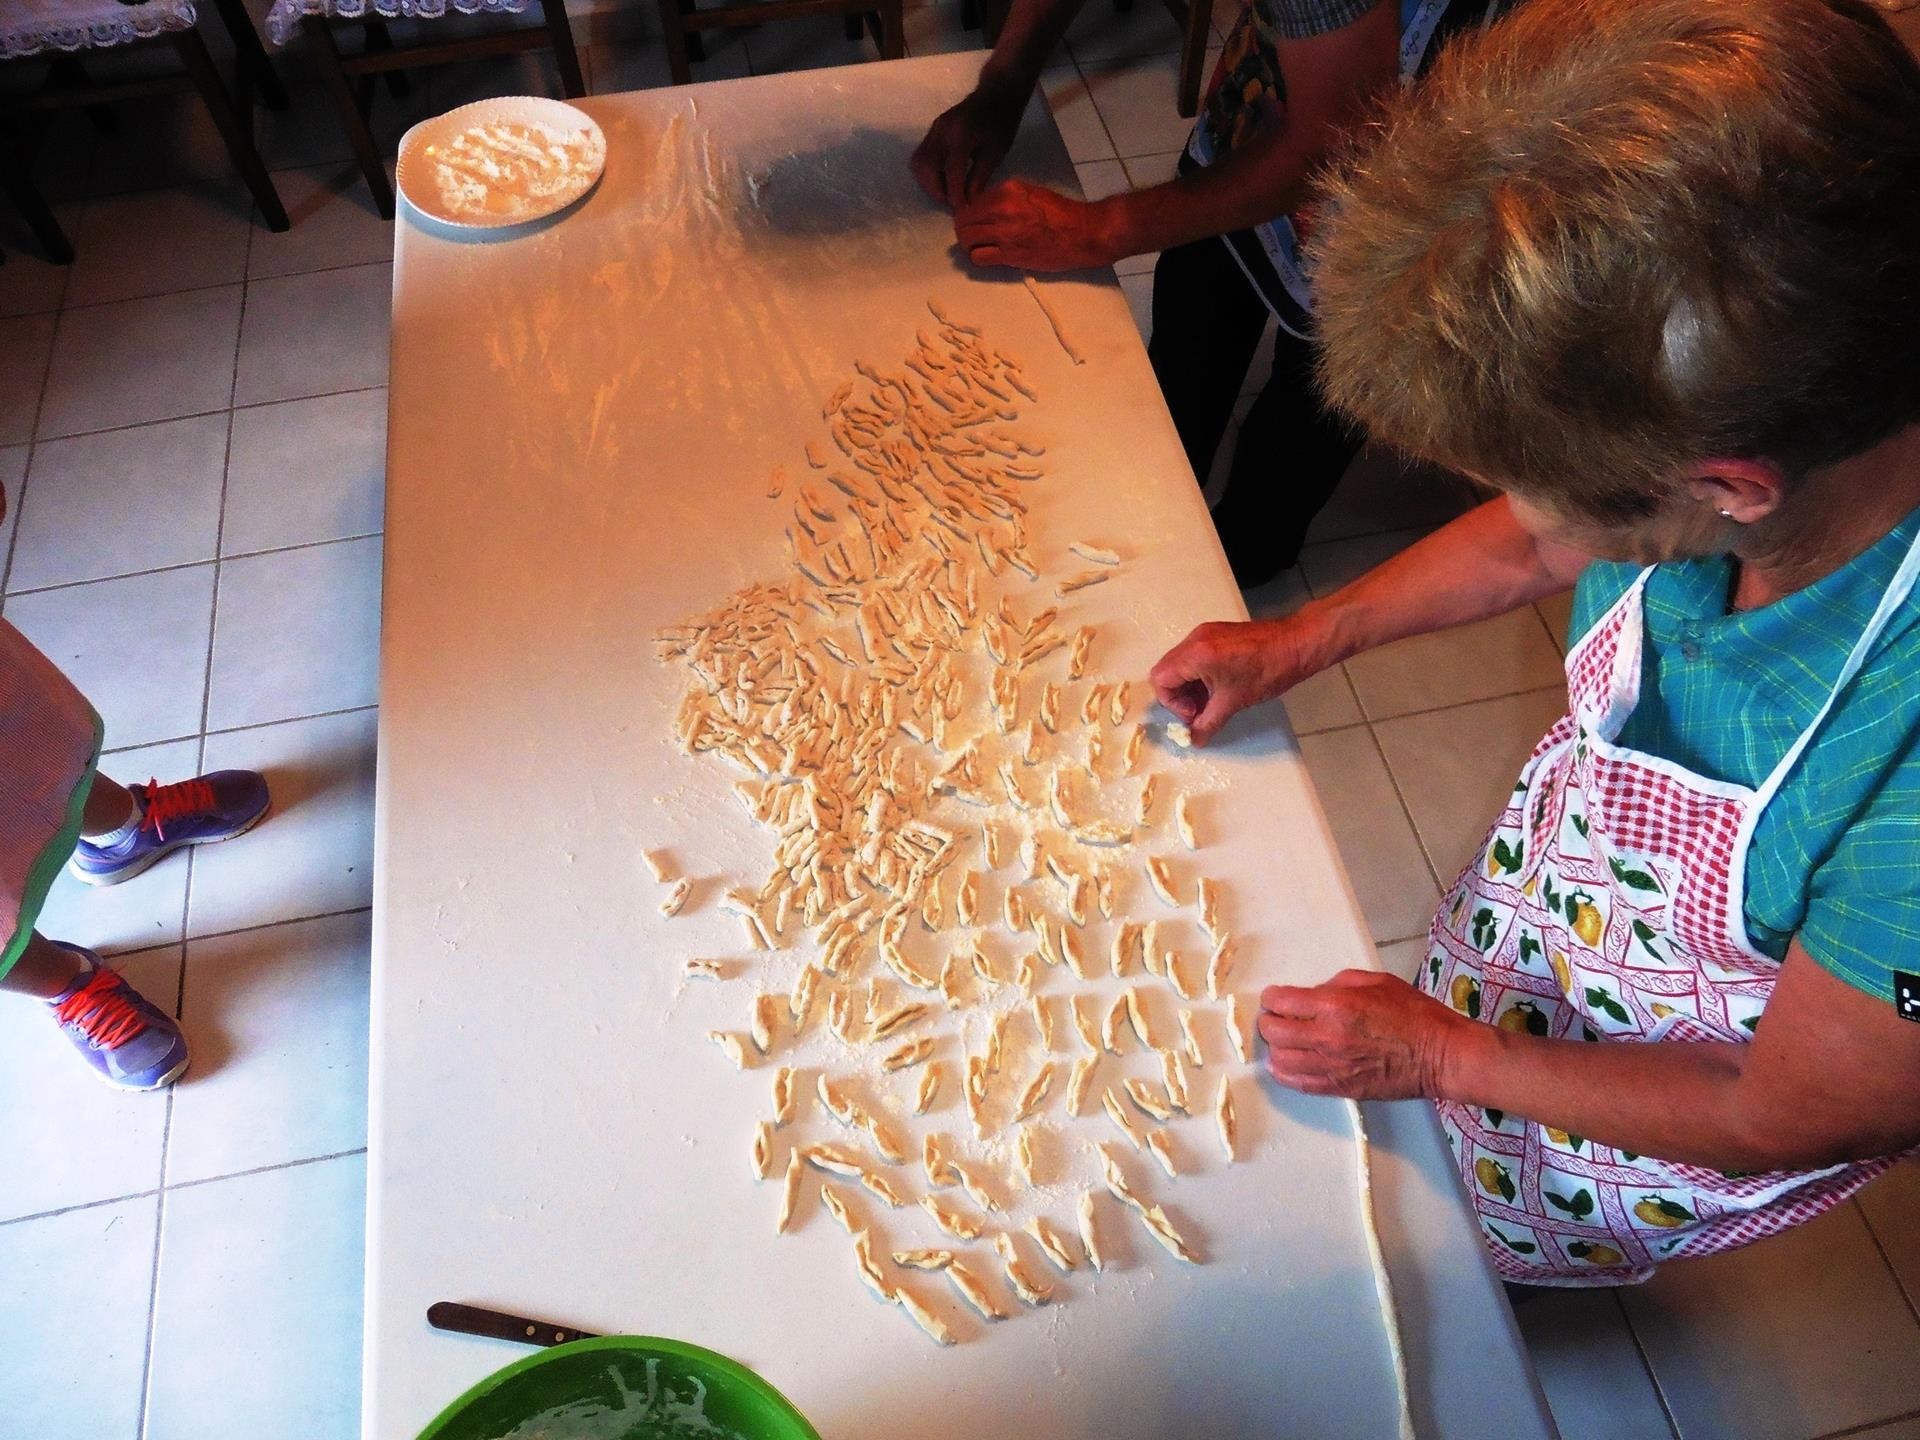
[(1836, 856)]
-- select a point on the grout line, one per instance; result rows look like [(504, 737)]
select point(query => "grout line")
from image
[(242, 280), (83, 1205), (276, 924), (267, 1169), (217, 410), (1426, 857), (1417, 714), (214, 559), (1646, 1363), (1912, 1301), (1871, 1427), (153, 1278), (239, 729)]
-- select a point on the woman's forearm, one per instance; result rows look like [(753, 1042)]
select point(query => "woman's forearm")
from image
[(1482, 564), (1681, 1102), (1248, 187)]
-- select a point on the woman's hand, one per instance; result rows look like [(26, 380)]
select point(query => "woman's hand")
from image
[(1362, 1035), (1034, 228), (1223, 667), (966, 144)]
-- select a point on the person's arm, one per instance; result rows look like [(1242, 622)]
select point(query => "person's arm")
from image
[(1330, 80), (965, 144), (1482, 564), (1829, 1076)]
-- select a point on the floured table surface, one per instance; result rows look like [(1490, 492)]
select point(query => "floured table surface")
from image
[(587, 422)]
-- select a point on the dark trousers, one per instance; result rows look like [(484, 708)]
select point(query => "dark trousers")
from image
[(1292, 451)]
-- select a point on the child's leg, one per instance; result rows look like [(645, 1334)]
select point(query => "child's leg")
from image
[(44, 969), (129, 1041), (129, 827), (109, 808)]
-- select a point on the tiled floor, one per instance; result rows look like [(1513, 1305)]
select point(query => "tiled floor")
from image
[(191, 439)]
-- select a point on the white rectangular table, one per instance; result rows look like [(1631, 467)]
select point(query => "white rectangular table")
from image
[(583, 420)]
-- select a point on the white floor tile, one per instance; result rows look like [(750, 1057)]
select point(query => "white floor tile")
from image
[(1403, 957), (1101, 178), (1502, 656), (644, 66), (315, 334), (334, 224), (1102, 33), (305, 471), (297, 633), (1456, 768), (936, 30), (814, 42), (1378, 846), (1557, 613), (13, 470), (26, 341), (121, 501), (257, 1315), (153, 242), (136, 647), (1136, 100), (278, 1021), (162, 140), (75, 1308), (1139, 292), (1080, 124), (1800, 1335), (1590, 1368), (314, 854), (1892, 1207), (1137, 264), (151, 908), (30, 284), (141, 360), (1146, 171), (69, 1137), (1381, 491)]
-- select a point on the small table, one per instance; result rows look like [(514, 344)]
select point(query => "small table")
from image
[(583, 423)]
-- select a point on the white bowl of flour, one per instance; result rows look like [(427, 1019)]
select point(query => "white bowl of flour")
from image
[(500, 162)]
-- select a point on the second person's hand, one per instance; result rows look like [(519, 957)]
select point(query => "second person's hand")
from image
[(1034, 228), (1223, 667), (965, 144)]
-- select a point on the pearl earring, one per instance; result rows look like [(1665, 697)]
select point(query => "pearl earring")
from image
[(1726, 514)]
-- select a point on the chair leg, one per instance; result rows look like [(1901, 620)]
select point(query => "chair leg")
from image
[(893, 30), (676, 37), (1193, 56), (993, 16), (192, 51), (696, 42), (380, 38), (251, 54), (969, 14), (320, 37), (855, 25), (64, 72), (16, 182), (572, 83)]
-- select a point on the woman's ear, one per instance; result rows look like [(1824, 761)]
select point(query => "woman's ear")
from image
[(1744, 491)]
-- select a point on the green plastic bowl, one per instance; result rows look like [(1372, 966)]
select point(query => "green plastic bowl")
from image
[(618, 1374)]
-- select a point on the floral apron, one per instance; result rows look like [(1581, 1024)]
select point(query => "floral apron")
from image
[(1608, 904)]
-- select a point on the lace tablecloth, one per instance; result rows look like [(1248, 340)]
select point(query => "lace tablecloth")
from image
[(29, 27), (283, 21)]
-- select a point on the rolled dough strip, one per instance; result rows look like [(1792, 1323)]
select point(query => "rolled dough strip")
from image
[(1382, 1281), (1033, 289)]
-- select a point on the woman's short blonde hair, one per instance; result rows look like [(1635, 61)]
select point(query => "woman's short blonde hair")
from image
[(1607, 238)]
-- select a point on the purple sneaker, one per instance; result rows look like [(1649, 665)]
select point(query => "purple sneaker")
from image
[(190, 812), (128, 1040)]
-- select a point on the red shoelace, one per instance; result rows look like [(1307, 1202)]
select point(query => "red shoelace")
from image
[(172, 802), (102, 1012)]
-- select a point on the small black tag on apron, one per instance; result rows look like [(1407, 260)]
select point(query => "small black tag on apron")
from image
[(1906, 995)]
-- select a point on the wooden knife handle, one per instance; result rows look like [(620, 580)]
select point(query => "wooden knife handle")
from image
[(497, 1325)]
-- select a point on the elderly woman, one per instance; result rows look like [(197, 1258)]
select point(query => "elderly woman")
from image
[(1646, 269)]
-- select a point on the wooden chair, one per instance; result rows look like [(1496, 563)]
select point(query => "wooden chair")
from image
[(682, 23), (58, 31), (349, 78)]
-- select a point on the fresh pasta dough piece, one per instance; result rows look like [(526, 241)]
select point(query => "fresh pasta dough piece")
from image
[(1080, 1083), (784, 1102), (734, 1046), (1225, 1120), (1238, 1022), (762, 1150), (929, 1090), (789, 1192), (1027, 1283), (973, 1289), (676, 897), (1122, 1121), (1190, 1039), (1148, 1098), (1035, 1095), (950, 1218), (923, 1315), (1053, 1243), (1090, 1230), (836, 1206)]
